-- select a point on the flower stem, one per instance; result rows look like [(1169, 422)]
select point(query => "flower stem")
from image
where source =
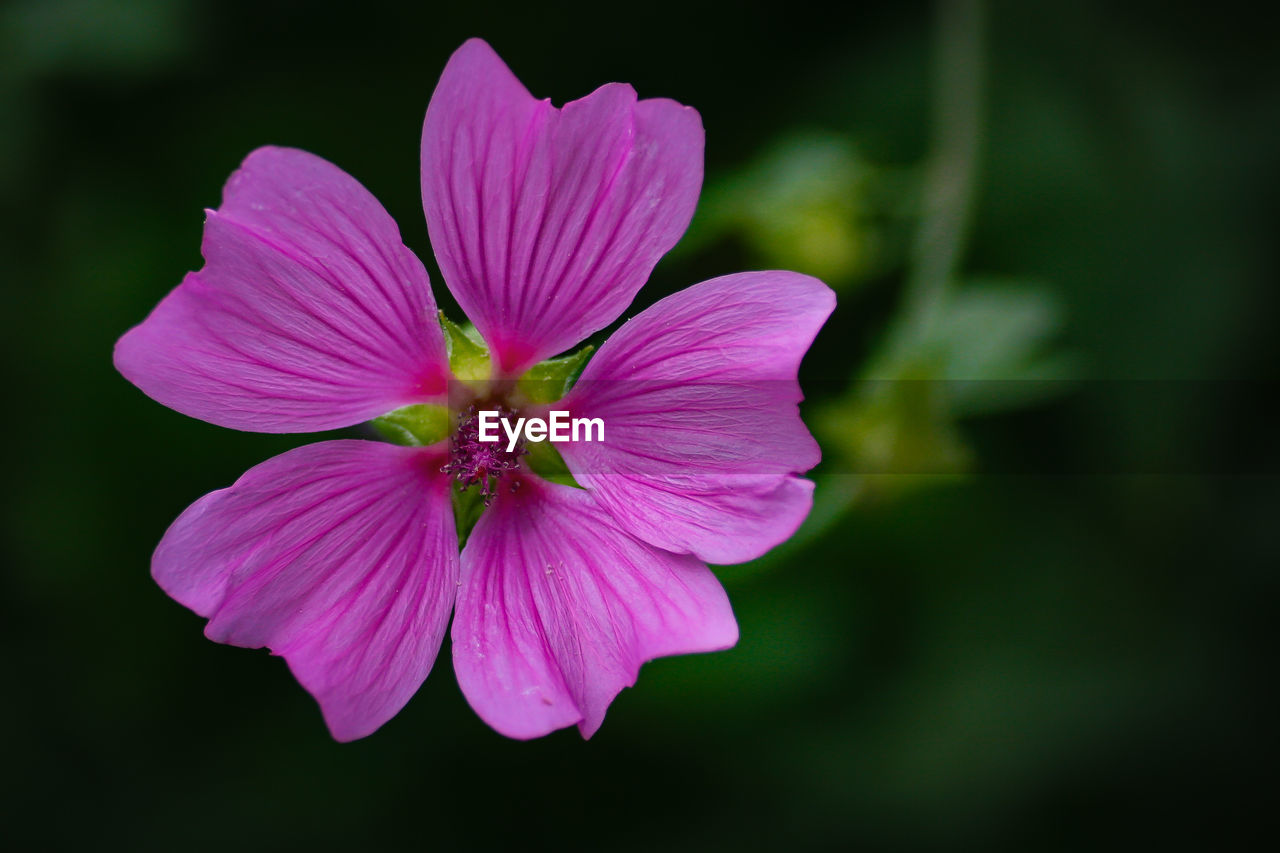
[(950, 175), (944, 223)]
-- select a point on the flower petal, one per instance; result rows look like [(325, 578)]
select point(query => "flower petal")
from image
[(309, 313), (546, 222), (341, 557), (703, 436), (558, 609)]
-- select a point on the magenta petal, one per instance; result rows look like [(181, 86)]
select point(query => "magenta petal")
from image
[(558, 609), (309, 314), (546, 222), (340, 556), (703, 435)]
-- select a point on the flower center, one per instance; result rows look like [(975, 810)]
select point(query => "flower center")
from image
[(484, 463)]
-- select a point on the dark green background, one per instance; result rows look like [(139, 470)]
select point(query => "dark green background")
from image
[(1015, 661)]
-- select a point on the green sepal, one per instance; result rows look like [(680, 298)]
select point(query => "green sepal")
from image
[(468, 356), (414, 426), (467, 508), (550, 380), (545, 461)]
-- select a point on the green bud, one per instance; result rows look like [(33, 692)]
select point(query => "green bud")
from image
[(810, 203), (890, 427)]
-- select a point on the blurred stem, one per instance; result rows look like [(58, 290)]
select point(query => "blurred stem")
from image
[(950, 173), (944, 224)]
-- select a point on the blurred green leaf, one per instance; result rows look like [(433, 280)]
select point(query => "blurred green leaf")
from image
[(990, 342), (996, 349)]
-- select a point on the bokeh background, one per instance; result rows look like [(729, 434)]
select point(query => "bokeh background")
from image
[(1032, 613)]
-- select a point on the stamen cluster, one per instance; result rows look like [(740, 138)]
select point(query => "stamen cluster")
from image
[(484, 463)]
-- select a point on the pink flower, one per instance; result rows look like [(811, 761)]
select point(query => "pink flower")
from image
[(310, 314)]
